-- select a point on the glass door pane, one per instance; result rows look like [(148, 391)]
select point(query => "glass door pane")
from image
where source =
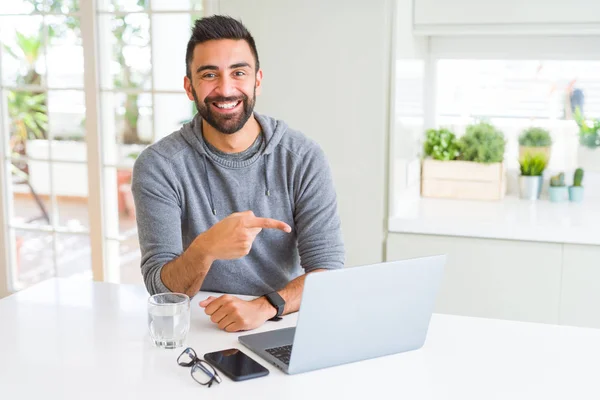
[(142, 66), (43, 120)]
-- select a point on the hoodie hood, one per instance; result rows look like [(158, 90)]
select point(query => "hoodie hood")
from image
[(272, 130)]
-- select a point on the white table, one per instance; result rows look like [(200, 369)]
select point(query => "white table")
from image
[(69, 339)]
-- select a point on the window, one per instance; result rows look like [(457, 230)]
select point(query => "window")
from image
[(44, 152), (516, 94), (513, 82), (54, 220)]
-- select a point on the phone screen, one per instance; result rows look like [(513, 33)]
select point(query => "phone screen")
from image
[(235, 364)]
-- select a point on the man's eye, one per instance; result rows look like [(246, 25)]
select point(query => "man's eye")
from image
[(239, 73), (210, 76)]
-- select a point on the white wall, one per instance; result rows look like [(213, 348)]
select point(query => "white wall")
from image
[(537, 17), (506, 11), (410, 94), (326, 72)]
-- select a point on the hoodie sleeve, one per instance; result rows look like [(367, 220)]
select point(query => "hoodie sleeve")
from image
[(158, 214), (318, 227)]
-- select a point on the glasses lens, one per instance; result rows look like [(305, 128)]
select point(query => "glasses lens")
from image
[(187, 358), (202, 373)]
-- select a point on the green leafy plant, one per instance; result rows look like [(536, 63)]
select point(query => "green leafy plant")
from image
[(482, 143), (27, 50), (27, 110), (29, 114), (28, 120), (535, 137), (441, 144), (533, 164), (558, 180), (589, 134), (578, 177)]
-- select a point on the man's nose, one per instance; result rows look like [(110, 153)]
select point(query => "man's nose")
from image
[(226, 87)]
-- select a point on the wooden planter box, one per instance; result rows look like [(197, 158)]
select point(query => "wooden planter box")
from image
[(463, 180)]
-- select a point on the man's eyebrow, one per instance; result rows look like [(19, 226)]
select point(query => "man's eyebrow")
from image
[(205, 67), (215, 68), (239, 65)]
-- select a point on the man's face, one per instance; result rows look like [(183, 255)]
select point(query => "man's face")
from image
[(224, 83)]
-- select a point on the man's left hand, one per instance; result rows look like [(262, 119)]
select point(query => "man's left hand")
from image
[(233, 314)]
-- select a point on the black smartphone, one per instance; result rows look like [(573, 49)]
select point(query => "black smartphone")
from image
[(236, 365)]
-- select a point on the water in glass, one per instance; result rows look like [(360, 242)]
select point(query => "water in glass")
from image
[(169, 319)]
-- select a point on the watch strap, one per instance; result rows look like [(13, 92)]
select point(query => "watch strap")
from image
[(276, 301)]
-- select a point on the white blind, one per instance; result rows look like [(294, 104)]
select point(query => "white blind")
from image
[(529, 89)]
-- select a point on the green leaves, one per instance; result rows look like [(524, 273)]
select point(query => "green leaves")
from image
[(535, 137), (482, 143), (533, 164), (578, 177), (589, 135), (441, 145), (28, 48), (28, 113)]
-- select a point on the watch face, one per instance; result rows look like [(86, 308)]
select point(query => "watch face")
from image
[(277, 301)]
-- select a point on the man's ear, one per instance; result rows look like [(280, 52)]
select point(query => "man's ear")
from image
[(187, 85), (258, 85)]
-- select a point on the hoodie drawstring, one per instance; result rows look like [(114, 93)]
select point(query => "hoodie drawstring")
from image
[(268, 192), (210, 196)]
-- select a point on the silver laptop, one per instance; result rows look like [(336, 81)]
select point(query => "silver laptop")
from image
[(354, 314)]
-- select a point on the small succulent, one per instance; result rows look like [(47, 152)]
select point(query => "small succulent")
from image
[(578, 177), (535, 137), (533, 164), (441, 144), (558, 180)]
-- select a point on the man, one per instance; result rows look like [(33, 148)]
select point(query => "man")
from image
[(235, 201)]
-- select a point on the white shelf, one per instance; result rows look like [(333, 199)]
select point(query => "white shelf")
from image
[(511, 219)]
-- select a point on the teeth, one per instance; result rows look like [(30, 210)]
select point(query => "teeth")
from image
[(226, 105)]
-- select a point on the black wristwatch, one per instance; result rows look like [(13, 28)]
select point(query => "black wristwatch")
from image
[(276, 301)]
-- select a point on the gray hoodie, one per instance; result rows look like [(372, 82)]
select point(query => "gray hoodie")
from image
[(181, 190)]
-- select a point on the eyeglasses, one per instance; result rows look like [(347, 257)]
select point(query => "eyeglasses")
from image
[(202, 372)]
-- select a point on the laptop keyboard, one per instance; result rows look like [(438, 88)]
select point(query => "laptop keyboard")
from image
[(282, 353)]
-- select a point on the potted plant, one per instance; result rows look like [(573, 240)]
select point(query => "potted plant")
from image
[(535, 140), (441, 144), (469, 168), (482, 143), (576, 191), (558, 190), (589, 141), (530, 181), (589, 134)]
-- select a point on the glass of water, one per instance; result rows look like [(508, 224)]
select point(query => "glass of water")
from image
[(169, 319)]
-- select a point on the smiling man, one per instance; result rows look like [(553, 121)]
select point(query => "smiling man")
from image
[(234, 202)]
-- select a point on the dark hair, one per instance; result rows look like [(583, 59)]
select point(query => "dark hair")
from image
[(217, 27)]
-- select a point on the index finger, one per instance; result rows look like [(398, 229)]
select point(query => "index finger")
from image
[(269, 223), (214, 306)]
